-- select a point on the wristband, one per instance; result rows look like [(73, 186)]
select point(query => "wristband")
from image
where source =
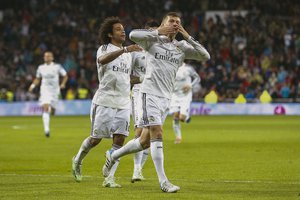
[(125, 49)]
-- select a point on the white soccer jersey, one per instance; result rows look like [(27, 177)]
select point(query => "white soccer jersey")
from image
[(114, 79), (49, 73), (163, 59), (186, 75), (138, 66)]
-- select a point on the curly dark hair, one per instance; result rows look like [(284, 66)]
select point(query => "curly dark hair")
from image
[(106, 28)]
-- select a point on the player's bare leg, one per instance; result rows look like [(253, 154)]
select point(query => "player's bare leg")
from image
[(52, 111)]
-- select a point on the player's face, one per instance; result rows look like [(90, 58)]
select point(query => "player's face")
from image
[(48, 57), (173, 21), (118, 35)]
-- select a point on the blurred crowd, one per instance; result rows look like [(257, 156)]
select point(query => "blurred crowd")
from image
[(255, 49)]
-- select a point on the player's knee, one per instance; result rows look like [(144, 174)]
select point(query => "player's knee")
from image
[(182, 118), (46, 108), (94, 141), (156, 132), (119, 139), (176, 115), (138, 132), (145, 142), (145, 145)]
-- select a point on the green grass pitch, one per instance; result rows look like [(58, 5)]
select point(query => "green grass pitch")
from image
[(221, 157)]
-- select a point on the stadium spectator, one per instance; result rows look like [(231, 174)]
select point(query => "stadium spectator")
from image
[(263, 40)]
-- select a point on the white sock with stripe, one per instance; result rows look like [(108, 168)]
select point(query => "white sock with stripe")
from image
[(137, 159), (115, 166), (132, 146), (144, 156), (86, 146), (158, 159)]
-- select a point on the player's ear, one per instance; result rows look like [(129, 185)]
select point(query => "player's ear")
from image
[(110, 35)]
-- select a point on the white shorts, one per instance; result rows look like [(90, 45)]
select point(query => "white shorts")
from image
[(135, 108), (107, 121), (154, 109), (181, 105), (49, 98)]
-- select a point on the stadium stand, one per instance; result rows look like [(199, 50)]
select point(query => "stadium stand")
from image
[(255, 49)]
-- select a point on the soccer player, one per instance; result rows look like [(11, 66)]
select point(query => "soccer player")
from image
[(186, 79), (49, 73), (110, 110), (138, 70), (164, 56)]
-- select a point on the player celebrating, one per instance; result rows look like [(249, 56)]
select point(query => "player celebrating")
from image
[(49, 73), (110, 110), (138, 70), (164, 56), (182, 97)]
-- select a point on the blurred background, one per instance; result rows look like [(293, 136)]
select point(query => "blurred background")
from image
[(254, 45)]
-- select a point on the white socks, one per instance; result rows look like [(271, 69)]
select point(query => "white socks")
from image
[(137, 159), (140, 159), (177, 128), (132, 146), (158, 159), (83, 151), (115, 166), (46, 121), (144, 157)]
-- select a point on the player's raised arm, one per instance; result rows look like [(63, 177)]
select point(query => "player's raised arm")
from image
[(144, 37), (108, 57), (193, 49)]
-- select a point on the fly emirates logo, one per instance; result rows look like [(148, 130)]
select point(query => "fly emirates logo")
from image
[(122, 68), (168, 56)]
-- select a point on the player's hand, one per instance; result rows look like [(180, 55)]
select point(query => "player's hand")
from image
[(183, 32), (134, 47), (186, 88), (62, 86), (32, 86), (167, 30)]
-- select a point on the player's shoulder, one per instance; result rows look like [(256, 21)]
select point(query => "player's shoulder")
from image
[(102, 48), (105, 48), (41, 66), (57, 65)]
